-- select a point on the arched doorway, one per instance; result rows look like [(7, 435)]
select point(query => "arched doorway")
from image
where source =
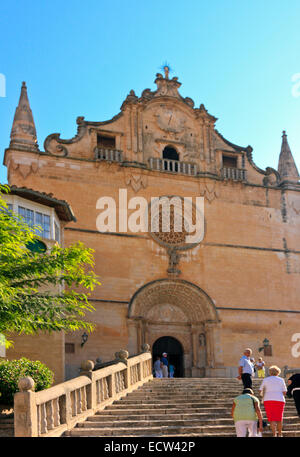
[(170, 154), (174, 350), (179, 308)]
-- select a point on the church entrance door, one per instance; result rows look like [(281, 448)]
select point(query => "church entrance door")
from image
[(174, 350)]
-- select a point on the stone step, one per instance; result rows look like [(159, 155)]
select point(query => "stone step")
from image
[(152, 406), (198, 381), (189, 398), (206, 417), (143, 431), (148, 423), (167, 404), (164, 412), (183, 392), (158, 417), (212, 391), (177, 407), (194, 386), (167, 430), (91, 423)]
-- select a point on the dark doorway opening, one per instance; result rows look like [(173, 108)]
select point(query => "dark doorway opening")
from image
[(174, 350)]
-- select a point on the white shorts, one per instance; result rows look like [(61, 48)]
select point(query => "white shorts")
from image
[(241, 428)]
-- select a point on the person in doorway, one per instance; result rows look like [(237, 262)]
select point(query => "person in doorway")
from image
[(246, 369), (171, 370), (165, 370), (245, 412), (293, 390), (273, 391), (158, 368), (260, 366)]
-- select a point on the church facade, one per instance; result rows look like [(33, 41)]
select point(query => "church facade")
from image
[(202, 302)]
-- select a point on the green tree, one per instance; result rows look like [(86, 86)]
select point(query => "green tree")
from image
[(37, 290)]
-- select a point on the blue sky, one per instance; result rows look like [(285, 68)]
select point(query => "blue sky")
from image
[(82, 59)]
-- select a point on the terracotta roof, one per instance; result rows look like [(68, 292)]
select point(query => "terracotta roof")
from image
[(62, 208)]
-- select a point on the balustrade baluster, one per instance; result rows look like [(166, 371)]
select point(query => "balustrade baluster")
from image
[(98, 392), (79, 401), (117, 382), (106, 391), (84, 399), (56, 413), (50, 415), (39, 419), (74, 402), (102, 391), (43, 419)]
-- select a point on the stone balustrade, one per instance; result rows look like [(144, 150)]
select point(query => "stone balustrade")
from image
[(110, 155), (288, 372), (52, 411), (175, 166), (236, 174)]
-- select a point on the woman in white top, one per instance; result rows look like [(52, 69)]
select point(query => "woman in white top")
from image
[(273, 390)]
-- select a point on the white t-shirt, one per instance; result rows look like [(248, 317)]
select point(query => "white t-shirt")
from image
[(274, 386)]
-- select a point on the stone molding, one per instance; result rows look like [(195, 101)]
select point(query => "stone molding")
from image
[(192, 300)]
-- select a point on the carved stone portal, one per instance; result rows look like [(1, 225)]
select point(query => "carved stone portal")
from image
[(178, 309)]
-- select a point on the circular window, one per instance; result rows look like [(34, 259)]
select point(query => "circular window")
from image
[(173, 221)]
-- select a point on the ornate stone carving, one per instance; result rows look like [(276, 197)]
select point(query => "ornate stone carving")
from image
[(177, 214), (131, 98), (25, 169), (174, 258), (59, 149), (167, 86), (272, 177), (166, 313), (209, 190), (146, 347), (194, 303), (135, 180)]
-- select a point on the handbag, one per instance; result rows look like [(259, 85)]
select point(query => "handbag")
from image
[(264, 424)]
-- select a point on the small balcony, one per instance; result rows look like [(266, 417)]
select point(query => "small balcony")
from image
[(108, 154), (235, 174), (173, 166)]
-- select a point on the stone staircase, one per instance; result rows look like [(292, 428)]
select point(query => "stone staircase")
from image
[(177, 407)]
